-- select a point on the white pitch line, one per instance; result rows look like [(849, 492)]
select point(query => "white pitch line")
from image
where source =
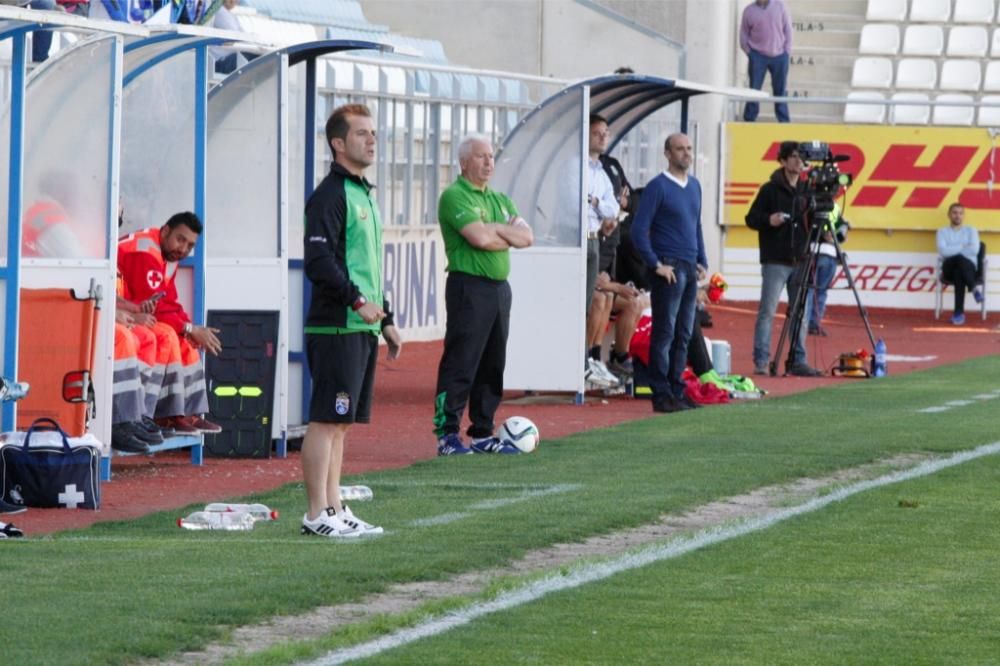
[(590, 573), (486, 505), (958, 403), (933, 410)]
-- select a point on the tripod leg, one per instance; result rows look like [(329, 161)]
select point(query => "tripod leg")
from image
[(842, 260), (792, 328)]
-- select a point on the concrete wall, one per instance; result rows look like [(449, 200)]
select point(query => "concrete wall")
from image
[(572, 40), (558, 38)]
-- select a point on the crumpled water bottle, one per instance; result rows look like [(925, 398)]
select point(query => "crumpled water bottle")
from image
[(229, 521), (879, 368), (11, 390), (356, 494), (258, 511)]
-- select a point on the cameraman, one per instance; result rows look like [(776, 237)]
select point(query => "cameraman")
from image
[(778, 215)]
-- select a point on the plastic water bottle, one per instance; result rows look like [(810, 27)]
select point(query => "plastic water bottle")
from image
[(258, 511), (11, 390), (229, 521), (878, 361), (356, 493)]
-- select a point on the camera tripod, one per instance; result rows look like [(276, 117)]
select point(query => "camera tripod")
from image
[(792, 327)]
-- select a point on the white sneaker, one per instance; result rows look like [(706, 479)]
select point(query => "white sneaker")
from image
[(329, 524), (364, 528), (594, 377), (607, 374)]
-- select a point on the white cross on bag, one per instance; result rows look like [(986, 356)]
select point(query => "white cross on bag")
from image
[(70, 496)]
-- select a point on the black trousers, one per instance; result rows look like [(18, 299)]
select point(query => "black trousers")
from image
[(475, 353), (960, 272)]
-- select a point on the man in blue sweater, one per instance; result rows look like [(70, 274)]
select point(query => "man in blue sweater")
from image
[(667, 234)]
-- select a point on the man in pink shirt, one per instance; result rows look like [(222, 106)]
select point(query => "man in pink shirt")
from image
[(766, 38)]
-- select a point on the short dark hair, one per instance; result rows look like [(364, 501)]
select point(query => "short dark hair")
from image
[(597, 118), (188, 219), (337, 125), (954, 206), (786, 149)]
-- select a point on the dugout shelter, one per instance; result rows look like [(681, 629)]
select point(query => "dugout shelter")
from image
[(541, 165)]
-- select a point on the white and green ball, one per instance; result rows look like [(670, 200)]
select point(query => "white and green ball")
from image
[(520, 432)]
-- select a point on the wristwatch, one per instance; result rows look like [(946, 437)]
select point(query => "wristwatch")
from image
[(359, 303), (188, 329)]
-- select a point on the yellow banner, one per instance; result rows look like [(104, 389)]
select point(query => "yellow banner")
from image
[(904, 177)]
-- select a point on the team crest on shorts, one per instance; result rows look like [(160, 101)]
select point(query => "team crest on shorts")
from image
[(342, 404)]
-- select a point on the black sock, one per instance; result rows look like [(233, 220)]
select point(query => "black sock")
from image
[(595, 352)]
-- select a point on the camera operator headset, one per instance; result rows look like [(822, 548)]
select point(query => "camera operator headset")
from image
[(779, 215)]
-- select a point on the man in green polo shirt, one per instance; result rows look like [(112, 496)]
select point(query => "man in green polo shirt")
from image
[(479, 226)]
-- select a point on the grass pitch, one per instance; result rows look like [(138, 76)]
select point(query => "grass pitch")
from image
[(119, 592)]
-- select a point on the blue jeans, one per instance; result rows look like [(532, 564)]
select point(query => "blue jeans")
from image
[(774, 278), (41, 40), (673, 318), (777, 65), (826, 269)]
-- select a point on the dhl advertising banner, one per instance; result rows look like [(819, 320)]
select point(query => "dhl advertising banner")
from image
[(904, 179)]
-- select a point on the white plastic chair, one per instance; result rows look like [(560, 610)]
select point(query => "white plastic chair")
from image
[(886, 10), (916, 73), (881, 39), (864, 113), (970, 41), (996, 44), (923, 40), (872, 73), (989, 116), (973, 11), (931, 11), (961, 75), (910, 114), (954, 115), (991, 82)]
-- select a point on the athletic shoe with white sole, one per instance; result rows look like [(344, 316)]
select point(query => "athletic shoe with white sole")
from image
[(329, 524), (366, 529), (451, 445), (598, 376), (8, 531), (494, 445)]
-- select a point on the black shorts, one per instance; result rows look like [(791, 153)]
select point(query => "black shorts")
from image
[(343, 376)]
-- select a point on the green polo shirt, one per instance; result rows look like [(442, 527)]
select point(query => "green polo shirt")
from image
[(461, 204)]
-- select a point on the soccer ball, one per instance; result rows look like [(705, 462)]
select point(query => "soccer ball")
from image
[(520, 432)]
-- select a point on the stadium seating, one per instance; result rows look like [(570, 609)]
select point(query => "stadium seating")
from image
[(865, 113), (886, 10), (872, 73), (989, 116), (968, 41), (916, 74), (930, 11), (910, 114), (974, 11), (991, 82), (883, 39), (931, 46), (953, 115), (924, 40), (961, 75)]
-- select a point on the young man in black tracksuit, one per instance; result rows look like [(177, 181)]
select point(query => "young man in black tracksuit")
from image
[(778, 214), (343, 261)]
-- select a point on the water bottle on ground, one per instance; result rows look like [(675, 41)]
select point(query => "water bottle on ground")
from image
[(355, 493), (258, 511), (11, 390), (229, 521), (879, 368)]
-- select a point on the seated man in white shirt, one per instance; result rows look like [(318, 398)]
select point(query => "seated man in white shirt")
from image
[(958, 246)]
